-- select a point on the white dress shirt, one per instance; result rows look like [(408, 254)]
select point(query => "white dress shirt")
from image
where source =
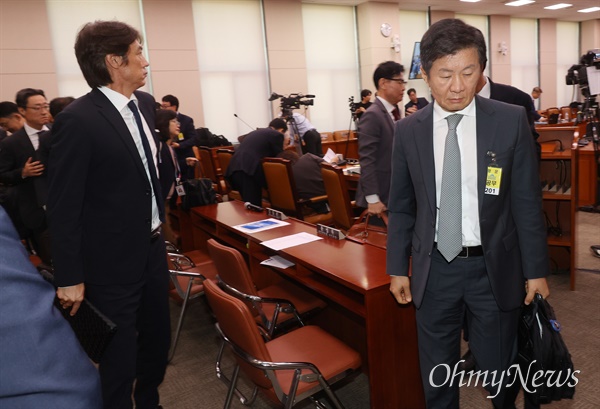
[(33, 135)]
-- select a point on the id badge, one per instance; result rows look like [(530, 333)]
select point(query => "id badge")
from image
[(492, 181), (180, 136), (180, 190)]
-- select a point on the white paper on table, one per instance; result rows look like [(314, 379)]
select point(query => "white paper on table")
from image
[(277, 261), (260, 225), (329, 155), (290, 241)]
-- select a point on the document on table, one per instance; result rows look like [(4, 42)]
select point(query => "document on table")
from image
[(260, 225), (290, 241), (329, 156), (277, 261)]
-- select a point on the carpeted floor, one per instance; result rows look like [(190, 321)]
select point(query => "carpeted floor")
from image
[(191, 382)]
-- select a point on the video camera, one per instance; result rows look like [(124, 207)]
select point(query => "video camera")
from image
[(578, 73), (293, 101)]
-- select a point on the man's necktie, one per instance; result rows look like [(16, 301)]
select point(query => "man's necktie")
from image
[(449, 238), (396, 113), (148, 152)]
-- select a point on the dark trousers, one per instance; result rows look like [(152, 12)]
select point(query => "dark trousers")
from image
[(141, 343), (453, 290), (249, 186), (312, 143)]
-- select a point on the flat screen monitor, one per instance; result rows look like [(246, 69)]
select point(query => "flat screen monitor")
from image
[(415, 65)]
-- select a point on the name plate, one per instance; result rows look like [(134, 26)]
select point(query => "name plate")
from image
[(276, 214), (330, 232)]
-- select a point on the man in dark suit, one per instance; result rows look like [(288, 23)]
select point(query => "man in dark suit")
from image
[(43, 364), (245, 172), (105, 210), (187, 137), (465, 202), (415, 102), (506, 93), (375, 136), (20, 167)]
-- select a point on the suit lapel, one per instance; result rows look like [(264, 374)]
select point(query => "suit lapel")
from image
[(115, 120), (423, 136), (487, 124), (389, 122)]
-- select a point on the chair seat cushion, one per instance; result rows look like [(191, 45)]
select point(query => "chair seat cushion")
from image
[(312, 344)]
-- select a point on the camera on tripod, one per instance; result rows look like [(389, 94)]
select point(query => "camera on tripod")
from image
[(578, 73), (293, 101)]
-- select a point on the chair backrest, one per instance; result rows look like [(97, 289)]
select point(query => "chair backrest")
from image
[(337, 196), (208, 165), (343, 135), (326, 136), (224, 157), (231, 267), (282, 188), (238, 325)]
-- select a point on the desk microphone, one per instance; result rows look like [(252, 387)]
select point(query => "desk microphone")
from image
[(244, 122), (253, 207)]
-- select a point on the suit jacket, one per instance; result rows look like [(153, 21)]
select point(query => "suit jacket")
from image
[(14, 152), (43, 364), (186, 125), (421, 103), (259, 144), (512, 95), (375, 137), (99, 198), (166, 170), (513, 233)]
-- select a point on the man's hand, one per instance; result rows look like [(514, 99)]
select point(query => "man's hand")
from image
[(191, 161), (400, 288), (174, 145), (32, 168), (536, 285), (411, 110), (376, 208), (71, 296)]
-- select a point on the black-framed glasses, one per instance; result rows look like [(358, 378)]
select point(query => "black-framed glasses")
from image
[(39, 107), (398, 80)]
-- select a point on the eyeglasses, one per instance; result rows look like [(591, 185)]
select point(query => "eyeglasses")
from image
[(39, 107), (175, 121), (398, 80)]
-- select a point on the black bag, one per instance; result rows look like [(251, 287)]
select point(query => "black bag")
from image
[(198, 192), (541, 348), (206, 138)]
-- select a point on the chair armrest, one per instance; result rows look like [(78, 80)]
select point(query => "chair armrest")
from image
[(190, 274), (181, 260), (317, 199)]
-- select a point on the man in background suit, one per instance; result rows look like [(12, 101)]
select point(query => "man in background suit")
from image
[(20, 167), (105, 210), (415, 102), (375, 136), (245, 171), (500, 258), (187, 137), (43, 364)]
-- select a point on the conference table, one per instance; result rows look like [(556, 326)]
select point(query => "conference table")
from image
[(350, 278)]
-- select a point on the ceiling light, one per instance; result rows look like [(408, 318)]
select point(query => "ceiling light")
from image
[(519, 3), (558, 6), (591, 9), (471, 1)]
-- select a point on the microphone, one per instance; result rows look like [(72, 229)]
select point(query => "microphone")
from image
[(253, 207), (244, 122)]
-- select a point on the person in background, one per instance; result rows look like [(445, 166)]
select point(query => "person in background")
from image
[(169, 172), (415, 103), (105, 209), (58, 104), (536, 92), (364, 104), (307, 139), (20, 167), (43, 364), (375, 137), (245, 173), (187, 136), (10, 118), (474, 252)]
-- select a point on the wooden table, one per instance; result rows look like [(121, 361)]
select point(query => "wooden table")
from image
[(351, 278)]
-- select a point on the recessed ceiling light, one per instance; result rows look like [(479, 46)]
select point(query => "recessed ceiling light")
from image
[(471, 1), (591, 9), (558, 6), (519, 3)]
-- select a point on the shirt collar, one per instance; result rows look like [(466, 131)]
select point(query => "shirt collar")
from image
[(439, 113), (119, 100), (389, 107), (32, 131)]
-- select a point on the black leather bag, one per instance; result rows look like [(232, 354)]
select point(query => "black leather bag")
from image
[(542, 348), (198, 192)]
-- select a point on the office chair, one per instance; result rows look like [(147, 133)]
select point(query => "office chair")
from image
[(342, 209), (188, 273), (224, 157), (209, 168), (288, 369), (283, 195)]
